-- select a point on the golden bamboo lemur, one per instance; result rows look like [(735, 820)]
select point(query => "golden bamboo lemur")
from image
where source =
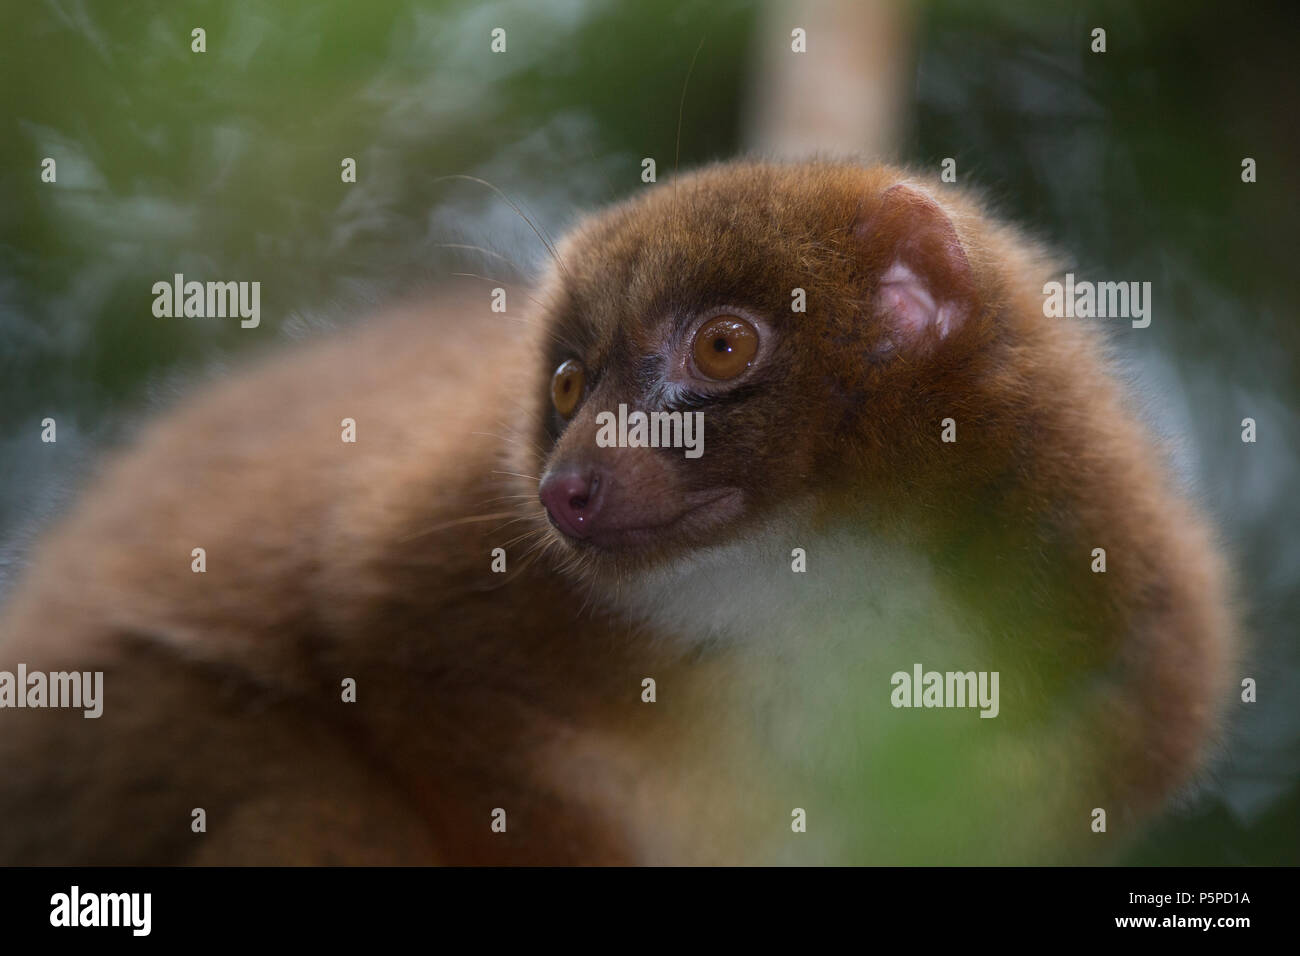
[(771, 731)]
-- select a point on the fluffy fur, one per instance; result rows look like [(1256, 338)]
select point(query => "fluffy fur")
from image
[(522, 690)]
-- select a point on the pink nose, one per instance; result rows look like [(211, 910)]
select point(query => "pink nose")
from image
[(572, 499)]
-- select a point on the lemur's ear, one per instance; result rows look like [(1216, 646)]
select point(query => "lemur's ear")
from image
[(926, 289)]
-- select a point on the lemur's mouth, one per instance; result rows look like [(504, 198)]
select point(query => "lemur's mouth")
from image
[(601, 518)]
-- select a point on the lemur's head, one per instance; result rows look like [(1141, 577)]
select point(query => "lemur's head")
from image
[(749, 340)]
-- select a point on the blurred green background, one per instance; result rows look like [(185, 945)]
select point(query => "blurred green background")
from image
[(226, 165)]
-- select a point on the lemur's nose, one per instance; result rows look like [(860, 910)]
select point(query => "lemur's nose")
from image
[(572, 499)]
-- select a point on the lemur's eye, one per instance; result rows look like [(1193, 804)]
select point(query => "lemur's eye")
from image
[(566, 387), (725, 346)]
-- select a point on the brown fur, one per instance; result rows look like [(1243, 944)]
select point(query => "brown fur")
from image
[(477, 690)]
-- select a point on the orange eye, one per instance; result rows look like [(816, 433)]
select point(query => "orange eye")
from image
[(566, 387), (725, 346)]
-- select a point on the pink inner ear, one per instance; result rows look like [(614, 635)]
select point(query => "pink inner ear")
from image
[(928, 283), (908, 299)]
